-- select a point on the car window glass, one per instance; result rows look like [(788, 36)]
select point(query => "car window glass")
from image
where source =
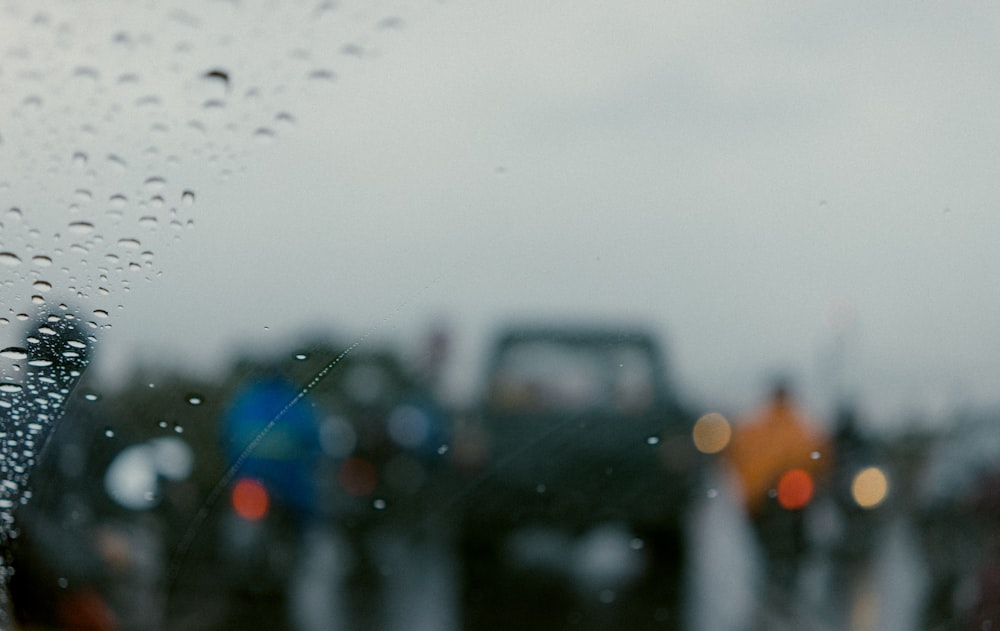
[(259, 261)]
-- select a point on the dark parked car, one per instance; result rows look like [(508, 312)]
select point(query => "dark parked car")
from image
[(588, 466), (958, 514)]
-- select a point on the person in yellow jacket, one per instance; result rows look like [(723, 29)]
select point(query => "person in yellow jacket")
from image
[(780, 457)]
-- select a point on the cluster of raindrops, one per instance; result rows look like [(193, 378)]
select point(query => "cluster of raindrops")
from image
[(37, 378), (112, 117), (111, 128)]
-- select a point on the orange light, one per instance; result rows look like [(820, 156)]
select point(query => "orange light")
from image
[(795, 489), (711, 433), (358, 477), (250, 500), (870, 487)]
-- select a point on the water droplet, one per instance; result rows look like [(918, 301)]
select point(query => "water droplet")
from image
[(149, 100), (46, 330), (653, 440), (79, 159), (322, 74), (37, 300), (9, 259), (195, 399), (815, 455), (188, 198), (129, 244), (91, 396), (218, 75), (149, 222), (391, 23), (82, 195), (109, 433), (162, 424), (87, 72), (41, 261), (117, 162), (41, 285), (154, 184), (14, 352), (15, 214), (379, 504), (81, 227), (301, 356), (264, 134), (100, 313), (712, 494), (40, 363), (442, 450), (178, 428), (10, 387)]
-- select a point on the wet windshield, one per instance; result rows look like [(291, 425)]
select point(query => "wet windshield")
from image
[(387, 315)]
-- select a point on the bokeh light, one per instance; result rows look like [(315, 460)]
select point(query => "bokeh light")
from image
[(795, 489), (711, 433), (870, 487), (250, 499)]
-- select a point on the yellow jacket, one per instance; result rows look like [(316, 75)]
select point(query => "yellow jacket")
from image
[(776, 439)]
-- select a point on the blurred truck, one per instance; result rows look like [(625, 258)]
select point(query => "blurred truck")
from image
[(586, 472)]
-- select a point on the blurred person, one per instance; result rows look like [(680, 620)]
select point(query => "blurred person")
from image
[(396, 529), (270, 436), (420, 423), (779, 457), (859, 519), (271, 444)]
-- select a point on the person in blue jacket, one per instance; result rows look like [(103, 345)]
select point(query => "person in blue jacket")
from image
[(272, 434)]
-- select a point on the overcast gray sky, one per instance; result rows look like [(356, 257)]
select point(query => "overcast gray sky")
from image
[(761, 185)]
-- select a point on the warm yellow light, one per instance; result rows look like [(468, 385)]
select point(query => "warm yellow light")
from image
[(711, 433), (870, 487)]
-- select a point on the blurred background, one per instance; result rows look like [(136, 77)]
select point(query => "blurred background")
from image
[(244, 217)]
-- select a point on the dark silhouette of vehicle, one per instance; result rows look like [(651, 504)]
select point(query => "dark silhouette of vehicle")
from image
[(957, 512), (586, 469)]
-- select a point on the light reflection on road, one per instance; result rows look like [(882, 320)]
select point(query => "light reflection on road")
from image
[(724, 587)]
